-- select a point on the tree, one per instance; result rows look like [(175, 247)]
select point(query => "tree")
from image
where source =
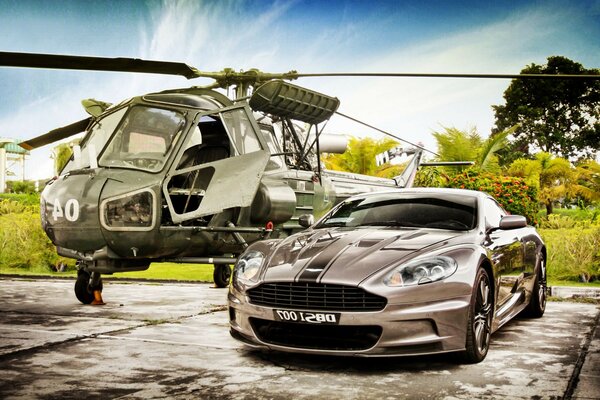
[(555, 178), (556, 116), (587, 174), (456, 145), (360, 156)]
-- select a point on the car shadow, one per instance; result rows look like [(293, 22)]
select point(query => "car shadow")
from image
[(364, 365)]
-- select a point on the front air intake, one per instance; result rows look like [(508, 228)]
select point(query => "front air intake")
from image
[(315, 296)]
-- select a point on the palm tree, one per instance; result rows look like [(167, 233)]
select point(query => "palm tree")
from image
[(359, 156), (457, 145), (555, 178), (486, 158)]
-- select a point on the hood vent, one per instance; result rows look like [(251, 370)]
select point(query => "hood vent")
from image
[(368, 242), (413, 236)]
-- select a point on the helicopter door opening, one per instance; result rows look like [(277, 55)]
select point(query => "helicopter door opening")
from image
[(220, 167)]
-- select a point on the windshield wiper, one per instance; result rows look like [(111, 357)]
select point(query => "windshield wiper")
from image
[(448, 225), (331, 224), (391, 223)]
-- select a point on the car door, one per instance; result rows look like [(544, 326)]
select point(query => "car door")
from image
[(507, 256)]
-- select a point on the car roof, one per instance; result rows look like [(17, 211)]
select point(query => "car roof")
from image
[(434, 191)]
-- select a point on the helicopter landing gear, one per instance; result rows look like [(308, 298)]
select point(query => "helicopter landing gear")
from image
[(88, 288), (222, 275)]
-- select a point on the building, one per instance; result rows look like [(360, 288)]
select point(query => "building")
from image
[(12, 161)]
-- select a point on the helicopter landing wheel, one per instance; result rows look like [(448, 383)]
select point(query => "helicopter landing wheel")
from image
[(86, 290), (222, 275)]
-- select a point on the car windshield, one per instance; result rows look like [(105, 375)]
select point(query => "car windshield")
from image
[(436, 211), (143, 139)]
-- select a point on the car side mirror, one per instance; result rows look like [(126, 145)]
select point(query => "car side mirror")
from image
[(306, 220), (513, 222)]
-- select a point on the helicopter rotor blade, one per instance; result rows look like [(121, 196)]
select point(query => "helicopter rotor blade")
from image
[(439, 75), (385, 132), (56, 61), (56, 134)]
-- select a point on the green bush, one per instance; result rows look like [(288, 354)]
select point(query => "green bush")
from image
[(11, 207), (27, 187), (23, 243), (580, 214), (573, 254), (512, 193), (31, 199)]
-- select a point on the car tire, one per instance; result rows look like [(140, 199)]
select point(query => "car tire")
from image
[(537, 304), (479, 325)]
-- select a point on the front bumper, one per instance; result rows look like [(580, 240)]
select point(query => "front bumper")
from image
[(420, 328)]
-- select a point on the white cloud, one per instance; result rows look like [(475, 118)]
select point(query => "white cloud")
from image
[(412, 108), (213, 35)]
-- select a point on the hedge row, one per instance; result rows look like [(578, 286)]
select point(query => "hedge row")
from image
[(512, 193), (573, 254)]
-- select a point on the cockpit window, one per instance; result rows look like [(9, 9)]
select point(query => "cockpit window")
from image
[(95, 141), (144, 139), (407, 210)]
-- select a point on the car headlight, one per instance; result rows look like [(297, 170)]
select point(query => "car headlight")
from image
[(421, 271), (247, 267), (129, 212)]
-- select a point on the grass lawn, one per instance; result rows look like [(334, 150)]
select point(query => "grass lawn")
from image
[(193, 272), (552, 282), (158, 271)]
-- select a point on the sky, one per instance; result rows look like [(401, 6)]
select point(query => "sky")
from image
[(309, 36)]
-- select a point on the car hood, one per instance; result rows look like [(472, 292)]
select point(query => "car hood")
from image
[(348, 255)]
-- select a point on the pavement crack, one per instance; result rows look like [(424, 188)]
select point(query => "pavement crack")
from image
[(581, 359), (51, 345), (78, 337)]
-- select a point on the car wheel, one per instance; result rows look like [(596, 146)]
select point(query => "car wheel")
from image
[(537, 304), (221, 275), (479, 326)]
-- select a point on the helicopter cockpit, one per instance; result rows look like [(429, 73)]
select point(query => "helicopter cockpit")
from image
[(143, 140), (138, 137)]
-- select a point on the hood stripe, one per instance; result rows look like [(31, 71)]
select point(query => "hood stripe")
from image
[(315, 267)]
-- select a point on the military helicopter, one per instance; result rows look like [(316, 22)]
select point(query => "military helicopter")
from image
[(190, 175)]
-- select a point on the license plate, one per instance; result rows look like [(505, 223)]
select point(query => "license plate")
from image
[(307, 317)]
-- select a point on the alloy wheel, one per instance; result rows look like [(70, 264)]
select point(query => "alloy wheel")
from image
[(483, 316)]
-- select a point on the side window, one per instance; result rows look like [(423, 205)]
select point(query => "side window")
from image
[(275, 162), (493, 213), (208, 142), (241, 131)]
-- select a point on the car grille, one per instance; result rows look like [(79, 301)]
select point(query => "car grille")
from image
[(315, 296), (322, 337)]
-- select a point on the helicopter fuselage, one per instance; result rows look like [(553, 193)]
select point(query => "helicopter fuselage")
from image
[(186, 175)]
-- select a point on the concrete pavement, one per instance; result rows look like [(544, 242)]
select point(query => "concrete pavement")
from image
[(172, 340)]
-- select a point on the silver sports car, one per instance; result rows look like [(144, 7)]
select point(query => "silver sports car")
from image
[(416, 271)]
